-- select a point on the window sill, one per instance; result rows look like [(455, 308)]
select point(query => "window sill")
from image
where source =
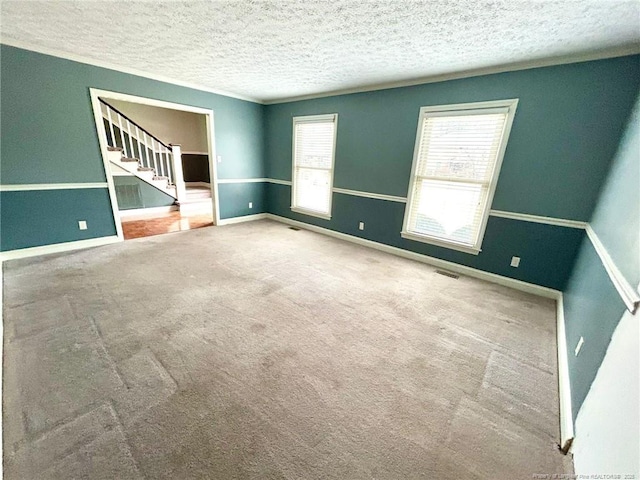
[(312, 213), (440, 243)]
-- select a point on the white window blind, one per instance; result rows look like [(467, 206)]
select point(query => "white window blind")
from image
[(313, 158), (456, 164)]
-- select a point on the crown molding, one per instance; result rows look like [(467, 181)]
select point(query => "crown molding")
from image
[(131, 71), (620, 51)]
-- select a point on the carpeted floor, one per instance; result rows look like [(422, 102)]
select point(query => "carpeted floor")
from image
[(254, 351)]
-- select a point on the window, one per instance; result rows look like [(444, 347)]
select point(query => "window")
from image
[(457, 158), (314, 142)]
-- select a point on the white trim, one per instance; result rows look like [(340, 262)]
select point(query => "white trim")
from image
[(377, 196), (439, 243), (629, 295), (462, 269), (304, 211), (525, 217), (27, 187), (195, 153), (279, 182), (209, 117), (508, 106), (141, 213), (564, 383), (512, 67), (57, 248), (124, 97), (243, 180), (325, 118), (245, 218), (131, 71), (106, 162)]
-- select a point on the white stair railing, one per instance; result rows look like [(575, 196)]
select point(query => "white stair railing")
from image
[(151, 152)]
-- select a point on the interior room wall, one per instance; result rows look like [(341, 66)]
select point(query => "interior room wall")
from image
[(604, 374), (566, 130), (134, 193), (49, 137), (171, 126)]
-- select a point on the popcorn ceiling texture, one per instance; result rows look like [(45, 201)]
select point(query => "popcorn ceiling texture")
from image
[(270, 50)]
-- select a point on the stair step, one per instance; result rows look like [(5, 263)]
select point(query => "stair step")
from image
[(160, 177), (146, 169), (129, 159), (114, 149)]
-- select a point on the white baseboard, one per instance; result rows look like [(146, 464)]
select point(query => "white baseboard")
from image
[(436, 262), (245, 218), (57, 248), (564, 385), (142, 213)]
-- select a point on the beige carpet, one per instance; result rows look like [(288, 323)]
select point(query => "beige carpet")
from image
[(254, 351)]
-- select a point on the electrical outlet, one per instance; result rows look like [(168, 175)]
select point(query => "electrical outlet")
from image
[(579, 346), (82, 224), (361, 226), (515, 262), (250, 204), (219, 158)]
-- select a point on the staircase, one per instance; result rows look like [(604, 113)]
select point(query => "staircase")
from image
[(135, 150), (197, 201)]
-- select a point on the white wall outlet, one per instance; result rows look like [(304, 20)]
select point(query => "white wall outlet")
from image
[(219, 158), (515, 262), (250, 204), (361, 226), (579, 346), (82, 224)]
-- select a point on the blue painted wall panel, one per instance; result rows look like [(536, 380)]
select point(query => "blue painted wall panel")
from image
[(49, 135), (592, 308), (616, 219), (547, 251), (592, 305), (42, 217), (565, 133), (235, 198), (148, 195)]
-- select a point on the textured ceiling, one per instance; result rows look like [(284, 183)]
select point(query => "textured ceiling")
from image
[(272, 49)]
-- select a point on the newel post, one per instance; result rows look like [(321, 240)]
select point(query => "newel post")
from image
[(181, 189)]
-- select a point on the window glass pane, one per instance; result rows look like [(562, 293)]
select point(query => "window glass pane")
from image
[(312, 189), (460, 146), (448, 210), (454, 171), (314, 144)]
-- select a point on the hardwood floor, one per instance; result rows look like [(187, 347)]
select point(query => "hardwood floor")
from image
[(171, 222)]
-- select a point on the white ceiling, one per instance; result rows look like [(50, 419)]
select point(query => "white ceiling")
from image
[(271, 50)]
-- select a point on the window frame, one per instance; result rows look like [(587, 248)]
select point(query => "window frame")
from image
[(451, 110), (333, 117)]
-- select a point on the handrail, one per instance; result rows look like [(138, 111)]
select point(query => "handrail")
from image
[(134, 123), (152, 153)]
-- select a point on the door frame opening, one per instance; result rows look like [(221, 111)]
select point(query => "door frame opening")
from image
[(102, 139)]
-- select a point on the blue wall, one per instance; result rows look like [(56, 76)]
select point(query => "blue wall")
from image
[(504, 237), (147, 196), (616, 219), (592, 305), (42, 217), (49, 136), (565, 133)]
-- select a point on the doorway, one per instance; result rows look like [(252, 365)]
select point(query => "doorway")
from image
[(159, 163)]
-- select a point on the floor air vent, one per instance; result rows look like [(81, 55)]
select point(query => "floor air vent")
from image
[(294, 228), (447, 274)]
